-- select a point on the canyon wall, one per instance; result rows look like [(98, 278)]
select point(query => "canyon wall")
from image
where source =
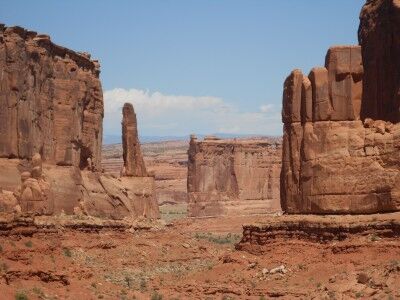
[(233, 177), (379, 36), (51, 112), (51, 101), (335, 161)]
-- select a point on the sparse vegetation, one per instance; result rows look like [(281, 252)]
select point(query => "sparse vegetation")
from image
[(301, 267), (38, 291), (20, 295), (394, 265), (156, 296), (173, 212), (219, 239), (332, 295), (143, 284), (374, 238), (29, 244), (3, 267), (67, 252), (128, 281), (358, 294)]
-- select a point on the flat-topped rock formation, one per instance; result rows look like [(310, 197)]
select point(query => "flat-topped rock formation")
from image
[(341, 137), (233, 177), (51, 112)]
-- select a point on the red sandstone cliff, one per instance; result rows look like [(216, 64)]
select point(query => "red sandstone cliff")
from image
[(51, 112), (51, 101), (379, 36), (233, 177), (341, 137)]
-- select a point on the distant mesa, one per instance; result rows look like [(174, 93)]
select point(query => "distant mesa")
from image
[(233, 177)]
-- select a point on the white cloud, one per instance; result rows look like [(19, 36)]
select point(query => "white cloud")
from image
[(160, 114), (266, 108)]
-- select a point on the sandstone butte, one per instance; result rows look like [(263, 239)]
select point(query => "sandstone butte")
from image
[(233, 177), (51, 135), (341, 137)]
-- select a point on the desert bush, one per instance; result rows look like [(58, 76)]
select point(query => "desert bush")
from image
[(128, 281), (67, 252), (21, 296), (143, 284), (156, 296), (38, 291), (3, 267)]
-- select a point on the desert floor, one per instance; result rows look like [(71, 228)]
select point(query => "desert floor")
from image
[(194, 259)]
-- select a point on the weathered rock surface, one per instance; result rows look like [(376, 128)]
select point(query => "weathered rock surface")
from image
[(51, 112), (69, 190), (318, 229), (51, 101), (132, 154), (379, 36), (334, 162), (233, 177), (167, 160)]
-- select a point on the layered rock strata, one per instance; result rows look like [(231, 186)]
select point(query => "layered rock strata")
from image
[(233, 177), (334, 162), (131, 152), (51, 101), (259, 237), (51, 112)]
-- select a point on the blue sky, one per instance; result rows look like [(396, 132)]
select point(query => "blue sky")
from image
[(194, 66)]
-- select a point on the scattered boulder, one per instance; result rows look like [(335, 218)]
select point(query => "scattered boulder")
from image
[(362, 278)]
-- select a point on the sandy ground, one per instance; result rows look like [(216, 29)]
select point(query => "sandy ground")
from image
[(195, 259)]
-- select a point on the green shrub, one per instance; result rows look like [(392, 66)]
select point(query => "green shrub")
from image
[(67, 252), (21, 296), (156, 296)]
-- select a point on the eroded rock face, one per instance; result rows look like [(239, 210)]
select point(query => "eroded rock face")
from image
[(132, 154), (233, 177), (379, 36), (51, 101), (334, 162), (35, 195), (51, 112)]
